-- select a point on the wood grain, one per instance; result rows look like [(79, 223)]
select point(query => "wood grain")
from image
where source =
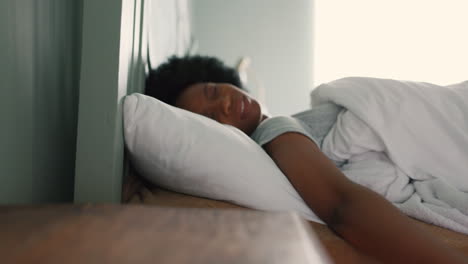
[(150, 234), (338, 249)]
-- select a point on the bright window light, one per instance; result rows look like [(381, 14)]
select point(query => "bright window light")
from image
[(418, 40)]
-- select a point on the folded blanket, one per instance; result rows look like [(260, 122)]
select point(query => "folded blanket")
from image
[(407, 141)]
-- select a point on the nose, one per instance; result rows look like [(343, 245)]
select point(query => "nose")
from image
[(226, 105)]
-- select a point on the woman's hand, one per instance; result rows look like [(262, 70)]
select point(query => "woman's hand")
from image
[(362, 217)]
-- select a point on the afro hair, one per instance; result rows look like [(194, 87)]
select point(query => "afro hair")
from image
[(169, 80)]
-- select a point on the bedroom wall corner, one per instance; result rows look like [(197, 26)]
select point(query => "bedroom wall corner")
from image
[(112, 66)]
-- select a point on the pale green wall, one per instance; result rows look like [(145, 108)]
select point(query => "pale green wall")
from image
[(40, 44), (112, 66)]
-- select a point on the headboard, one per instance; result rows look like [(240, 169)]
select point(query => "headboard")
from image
[(112, 66), (116, 37)]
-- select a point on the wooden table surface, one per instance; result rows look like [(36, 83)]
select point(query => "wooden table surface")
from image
[(148, 234)]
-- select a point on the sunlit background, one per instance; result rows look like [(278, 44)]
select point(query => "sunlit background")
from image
[(420, 40), (293, 45)]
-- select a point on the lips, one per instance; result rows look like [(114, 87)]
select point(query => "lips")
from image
[(244, 106)]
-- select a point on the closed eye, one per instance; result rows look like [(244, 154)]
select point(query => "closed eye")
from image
[(215, 91), (211, 91)]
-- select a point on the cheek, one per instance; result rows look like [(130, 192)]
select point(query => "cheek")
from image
[(256, 112), (253, 121), (244, 125), (247, 125)]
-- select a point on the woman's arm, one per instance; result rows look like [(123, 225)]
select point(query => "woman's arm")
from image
[(363, 218)]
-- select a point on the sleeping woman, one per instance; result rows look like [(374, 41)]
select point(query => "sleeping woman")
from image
[(204, 85)]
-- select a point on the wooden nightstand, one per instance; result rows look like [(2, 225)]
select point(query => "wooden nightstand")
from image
[(146, 234)]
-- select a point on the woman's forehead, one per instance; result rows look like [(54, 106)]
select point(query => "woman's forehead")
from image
[(192, 98)]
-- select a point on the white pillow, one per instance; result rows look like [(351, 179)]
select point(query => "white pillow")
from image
[(192, 154)]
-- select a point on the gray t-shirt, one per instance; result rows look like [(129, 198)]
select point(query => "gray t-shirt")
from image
[(314, 124)]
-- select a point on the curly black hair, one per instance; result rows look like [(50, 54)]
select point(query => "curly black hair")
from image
[(168, 80)]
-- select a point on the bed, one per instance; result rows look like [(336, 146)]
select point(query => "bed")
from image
[(118, 43), (136, 190)]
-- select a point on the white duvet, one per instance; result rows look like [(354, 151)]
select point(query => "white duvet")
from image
[(407, 141)]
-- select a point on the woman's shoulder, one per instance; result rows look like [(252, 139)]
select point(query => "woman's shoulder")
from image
[(323, 110), (272, 127)]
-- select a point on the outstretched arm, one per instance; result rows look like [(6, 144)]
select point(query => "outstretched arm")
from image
[(362, 217)]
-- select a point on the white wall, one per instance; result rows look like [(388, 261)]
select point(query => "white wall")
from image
[(417, 40), (169, 29), (276, 34)]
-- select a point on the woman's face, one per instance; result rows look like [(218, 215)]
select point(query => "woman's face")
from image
[(224, 103)]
